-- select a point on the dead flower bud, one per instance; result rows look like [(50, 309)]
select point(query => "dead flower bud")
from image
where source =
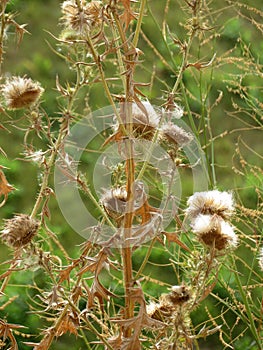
[(260, 260), (168, 303), (144, 113), (213, 231), (153, 311), (21, 92), (114, 202), (172, 137), (144, 120), (81, 17), (19, 230), (211, 202), (178, 295)]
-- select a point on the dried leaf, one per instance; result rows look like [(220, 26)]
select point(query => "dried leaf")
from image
[(68, 324), (5, 187), (128, 15), (20, 31), (76, 294), (44, 344), (208, 290), (64, 274), (6, 332), (173, 237), (95, 264)]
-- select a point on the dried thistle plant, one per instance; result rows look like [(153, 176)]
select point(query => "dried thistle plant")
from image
[(113, 294)]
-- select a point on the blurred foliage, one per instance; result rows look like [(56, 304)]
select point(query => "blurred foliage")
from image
[(237, 135)]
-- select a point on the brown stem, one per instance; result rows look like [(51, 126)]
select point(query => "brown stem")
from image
[(127, 251)]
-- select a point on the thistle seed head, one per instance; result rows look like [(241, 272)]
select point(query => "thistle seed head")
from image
[(213, 231), (19, 230), (153, 311), (144, 119), (82, 17), (211, 202), (21, 92), (114, 202), (174, 135), (179, 295), (162, 310)]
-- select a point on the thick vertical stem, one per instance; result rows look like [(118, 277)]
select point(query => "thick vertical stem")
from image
[(127, 251)]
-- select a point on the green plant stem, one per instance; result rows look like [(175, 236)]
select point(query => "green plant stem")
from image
[(49, 165), (251, 323), (85, 339), (139, 23), (2, 31), (145, 260), (119, 55), (184, 62), (97, 60)]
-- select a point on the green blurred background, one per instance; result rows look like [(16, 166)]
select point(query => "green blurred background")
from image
[(238, 117)]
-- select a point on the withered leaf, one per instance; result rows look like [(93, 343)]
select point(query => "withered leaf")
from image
[(5, 187), (95, 264), (208, 290), (64, 274), (128, 15), (68, 324), (173, 237)]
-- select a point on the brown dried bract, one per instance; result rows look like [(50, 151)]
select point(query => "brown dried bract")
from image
[(5, 187)]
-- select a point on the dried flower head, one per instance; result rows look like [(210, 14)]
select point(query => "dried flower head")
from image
[(19, 230), (81, 16), (141, 115), (144, 119), (162, 310), (175, 135), (21, 92), (260, 260), (179, 295), (213, 231), (211, 202), (153, 310), (172, 137), (114, 202)]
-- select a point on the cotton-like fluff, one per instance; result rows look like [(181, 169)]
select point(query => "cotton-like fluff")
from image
[(211, 202), (214, 231), (174, 135), (143, 118), (21, 92), (81, 16)]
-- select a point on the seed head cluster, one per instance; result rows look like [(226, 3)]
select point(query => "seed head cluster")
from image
[(146, 121), (209, 213), (19, 230), (168, 303), (21, 92)]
